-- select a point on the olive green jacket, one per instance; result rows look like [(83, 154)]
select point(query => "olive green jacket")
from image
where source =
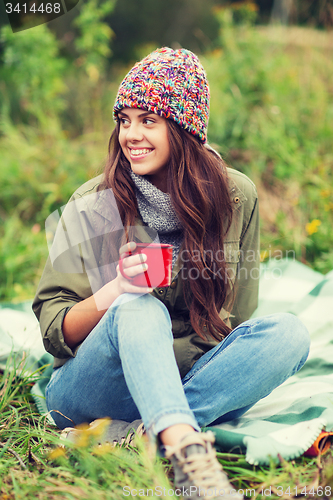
[(78, 267)]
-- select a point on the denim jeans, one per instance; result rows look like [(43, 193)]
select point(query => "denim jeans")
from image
[(126, 369)]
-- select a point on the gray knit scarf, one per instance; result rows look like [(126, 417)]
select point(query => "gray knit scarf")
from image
[(157, 212)]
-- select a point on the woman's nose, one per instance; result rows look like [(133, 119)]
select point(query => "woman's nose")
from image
[(134, 132)]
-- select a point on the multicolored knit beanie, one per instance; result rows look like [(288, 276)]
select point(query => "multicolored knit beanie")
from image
[(170, 83)]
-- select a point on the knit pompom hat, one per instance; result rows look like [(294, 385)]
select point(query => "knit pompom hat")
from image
[(172, 84)]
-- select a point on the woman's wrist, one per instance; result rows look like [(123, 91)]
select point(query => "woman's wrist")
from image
[(84, 316), (106, 295)]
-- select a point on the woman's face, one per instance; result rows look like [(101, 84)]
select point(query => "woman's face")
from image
[(143, 137)]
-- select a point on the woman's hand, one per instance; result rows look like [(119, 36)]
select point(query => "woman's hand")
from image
[(132, 266), (81, 318)]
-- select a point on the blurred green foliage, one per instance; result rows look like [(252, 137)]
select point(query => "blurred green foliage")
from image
[(31, 75), (93, 44), (186, 23), (192, 23), (271, 117), (189, 23)]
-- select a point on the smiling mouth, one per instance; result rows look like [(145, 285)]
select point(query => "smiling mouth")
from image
[(137, 153)]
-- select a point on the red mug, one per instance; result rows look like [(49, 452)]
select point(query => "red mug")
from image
[(159, 260)]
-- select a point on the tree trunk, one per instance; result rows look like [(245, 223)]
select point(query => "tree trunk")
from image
[(281, 11)]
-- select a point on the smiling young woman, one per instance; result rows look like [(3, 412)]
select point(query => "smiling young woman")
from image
[(144, 140), (179, 357)]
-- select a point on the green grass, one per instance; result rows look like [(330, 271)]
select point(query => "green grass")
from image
[(35, 465)]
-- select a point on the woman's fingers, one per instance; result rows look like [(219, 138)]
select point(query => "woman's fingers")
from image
[(132, 271), (128, 247), (135, 264), (132, 264), (126, 285)]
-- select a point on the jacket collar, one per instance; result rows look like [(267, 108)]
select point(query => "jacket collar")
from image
[(106, 206)]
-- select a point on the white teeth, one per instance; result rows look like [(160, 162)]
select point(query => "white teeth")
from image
[(138, 152)]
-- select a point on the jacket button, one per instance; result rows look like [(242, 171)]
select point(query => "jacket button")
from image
[(173, 284), (236, 199), (161, 291)]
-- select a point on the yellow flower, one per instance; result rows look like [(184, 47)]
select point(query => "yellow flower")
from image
[(263, 255), (56, 453), (102, 449), (85, 434), (312, 227), (99, 426), (325, 193)]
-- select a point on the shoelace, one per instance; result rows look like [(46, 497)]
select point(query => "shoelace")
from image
[(204, 470)]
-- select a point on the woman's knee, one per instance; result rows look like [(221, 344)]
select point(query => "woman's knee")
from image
[(294, 331), (133, 312), (137, 305), (292, 337)]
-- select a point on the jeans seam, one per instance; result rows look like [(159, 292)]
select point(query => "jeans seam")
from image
[(216, 354), (112, 325), (124, 362)]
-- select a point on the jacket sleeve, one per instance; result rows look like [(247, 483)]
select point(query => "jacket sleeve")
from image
[(80, 260), (56, 294), (65, 280), (248, 271)]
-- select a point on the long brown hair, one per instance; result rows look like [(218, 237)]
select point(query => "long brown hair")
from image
[(198, 186)]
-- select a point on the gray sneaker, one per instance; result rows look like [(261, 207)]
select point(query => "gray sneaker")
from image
[(198, 474), (113, 432)]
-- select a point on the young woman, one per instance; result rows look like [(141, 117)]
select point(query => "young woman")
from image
[(178, 357)]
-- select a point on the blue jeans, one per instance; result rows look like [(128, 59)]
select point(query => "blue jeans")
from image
[(126, 369)]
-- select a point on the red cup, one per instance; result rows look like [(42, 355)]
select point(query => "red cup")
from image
[(159, 260)]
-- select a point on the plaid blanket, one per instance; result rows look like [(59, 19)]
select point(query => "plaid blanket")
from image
[(292, 417), (22, 349)]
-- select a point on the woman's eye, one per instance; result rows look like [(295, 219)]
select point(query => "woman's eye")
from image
[(123, 121), (148, 121)]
